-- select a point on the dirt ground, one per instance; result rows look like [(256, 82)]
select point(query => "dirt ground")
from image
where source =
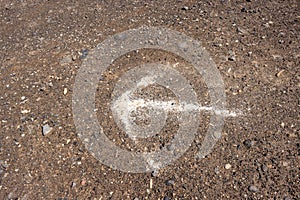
[(255, 45)]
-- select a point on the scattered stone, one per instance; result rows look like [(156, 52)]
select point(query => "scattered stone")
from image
[(280, 73), (83, 182), (228, 166), (248, 143), (73, 184), (253, 188), (264, 168), (74, 57), (242, 31), (184, 8), (25, 111), (28, 178), (277, 57), (151, 183), (232, 56), (166, 198), (287, 198), (84, 54), (170, 182), (217, 170), (154, 173), (47, 129), (281, 34), (243, 10), (217, 45), (65, 91), (285, 164)]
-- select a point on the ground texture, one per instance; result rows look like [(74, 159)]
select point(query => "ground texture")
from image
[(255, 45)]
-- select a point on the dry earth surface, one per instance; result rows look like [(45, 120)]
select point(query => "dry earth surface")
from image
[(255, 45)]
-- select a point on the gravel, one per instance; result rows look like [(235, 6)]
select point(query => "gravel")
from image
[(253, 188), (46, 129)]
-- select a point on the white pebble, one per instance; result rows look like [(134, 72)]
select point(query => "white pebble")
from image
[(227, 166)]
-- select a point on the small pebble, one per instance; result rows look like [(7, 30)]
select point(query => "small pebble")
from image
[(227, 166), (83, 182), (154, 173), (285, 164), (73, 184), (231, 58), (248, 143), (65, 91), (170, 182), (264, 168), (184, 8), (84, 54), (217, 170), (47, 129), (253, 188), (25, 111), (280, 73), (166, 198)]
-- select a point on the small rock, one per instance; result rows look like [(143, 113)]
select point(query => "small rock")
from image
[(65, 91), (285, 164), (231, 58), (280, 73), (242, 31), (184, 8), (25, 111), (47, 129), (248, 143), (154, 173), (217, 170), (253, 188), (277, 57), (170, 182), (166, 198), (73, 184), (84, 54), (83, 182), (264, 168), (228, 166), (74, 57)]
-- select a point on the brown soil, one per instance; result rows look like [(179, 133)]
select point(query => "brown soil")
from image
[(255, 45)]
